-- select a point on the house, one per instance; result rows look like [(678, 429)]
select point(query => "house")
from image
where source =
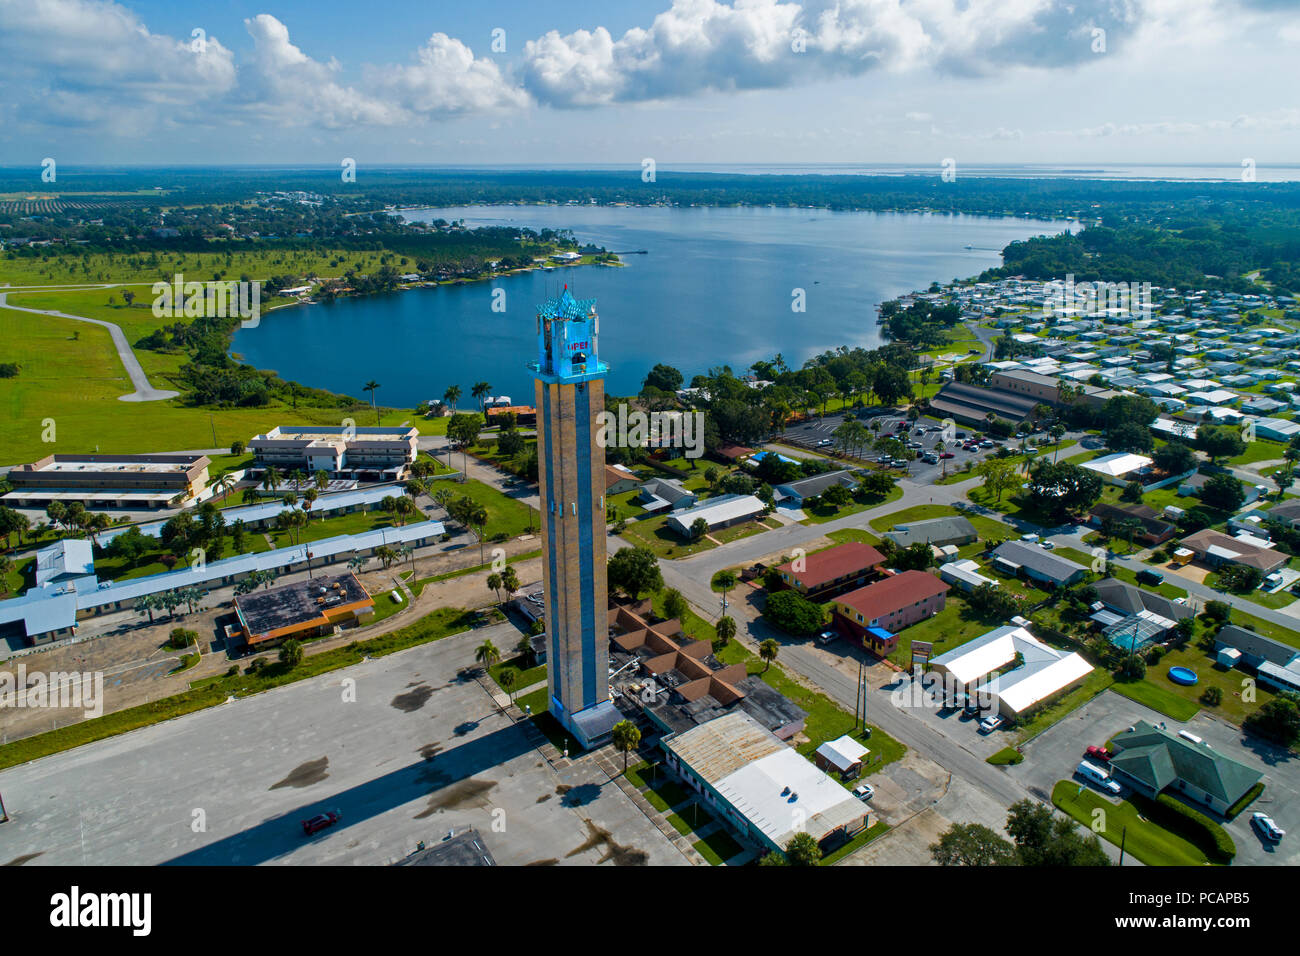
[(732, 453), (1253, 649), (1037, 564), (964, 575), (843, 755), (1011, 667), (833, 571), (619, 479), (665, 494), (1194, 483), (721, 512), (1152, 761), (1132, 618), (1285, 512), (1119, 468), (936, 531), (1218, 549), (874, 614), (761, 787), (1153, 529), (795, 493)]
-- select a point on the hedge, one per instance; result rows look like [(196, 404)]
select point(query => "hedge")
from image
[(1192, 825), (1235, 810)]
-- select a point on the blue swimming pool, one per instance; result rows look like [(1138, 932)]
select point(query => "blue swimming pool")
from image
[(1183, 675)]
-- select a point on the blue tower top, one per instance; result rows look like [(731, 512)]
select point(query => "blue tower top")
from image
[(567, 334)]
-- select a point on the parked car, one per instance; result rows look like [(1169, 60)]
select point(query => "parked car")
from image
[(322, 821), (947, 454), (825, 637), (1098, 753), (1266, 826), (930, 458), (864, 791), (972, 707), (1147, 576), (1048, 546), (990, 723), (1095, 775)]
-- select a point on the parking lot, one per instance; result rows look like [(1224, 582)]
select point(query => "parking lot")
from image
[(963, 729), (920, 436), (1054, 754)]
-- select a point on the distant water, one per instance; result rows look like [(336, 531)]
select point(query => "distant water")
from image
[(715, 287)]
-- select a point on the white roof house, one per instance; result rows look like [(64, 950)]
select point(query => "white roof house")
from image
[(1118, 464), (842, 753), (718, 512), (965, 574), (1045, 671)]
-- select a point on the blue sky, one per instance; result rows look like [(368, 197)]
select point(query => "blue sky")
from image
[(681, 81)]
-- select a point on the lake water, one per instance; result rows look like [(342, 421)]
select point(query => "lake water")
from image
[(715, 287)]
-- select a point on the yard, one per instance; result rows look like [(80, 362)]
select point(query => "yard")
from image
[(1122, 823)]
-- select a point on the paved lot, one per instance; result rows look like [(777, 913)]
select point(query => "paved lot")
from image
[(1054, 754), (419, 752), (926, 706)]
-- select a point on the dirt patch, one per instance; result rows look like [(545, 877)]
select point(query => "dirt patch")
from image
[(614, 852), (429, 751), (413, 699), (550, 861), (471, 792), (305, 774)]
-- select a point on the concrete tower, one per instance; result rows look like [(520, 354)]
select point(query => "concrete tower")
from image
[(571, 473)]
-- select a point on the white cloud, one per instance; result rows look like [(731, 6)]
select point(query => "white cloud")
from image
[(447, 79)]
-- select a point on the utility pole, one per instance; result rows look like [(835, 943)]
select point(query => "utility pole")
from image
[(4, 814), (1122, 838)]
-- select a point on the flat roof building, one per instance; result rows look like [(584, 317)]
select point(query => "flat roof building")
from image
[(302, 609), (108, 481), (761, 787), (378, 452)]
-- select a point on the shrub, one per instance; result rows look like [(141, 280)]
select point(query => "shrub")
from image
[(1213, 696), (257, 664), (1192, 825), (1247, 799)]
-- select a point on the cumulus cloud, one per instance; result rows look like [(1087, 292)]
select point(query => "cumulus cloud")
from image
[(447, 79), (77, 61), (699, 45)]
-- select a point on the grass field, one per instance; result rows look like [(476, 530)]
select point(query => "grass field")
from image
[(1158, 698), (1153, 845), (147, 269)]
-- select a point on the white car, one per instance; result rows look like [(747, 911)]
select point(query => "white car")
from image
[(825, 637), (1265, 824), (864, 791), (990, 724), (1048, 546)]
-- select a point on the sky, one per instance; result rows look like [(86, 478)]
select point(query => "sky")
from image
[(680, 81)]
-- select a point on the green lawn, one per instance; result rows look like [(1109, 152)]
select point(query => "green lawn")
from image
[(1159, 698), (844, 535), (950, 628), (717, 847), (1153, 845), (507, 517), (820, 513), (70, 374), (527, 676)]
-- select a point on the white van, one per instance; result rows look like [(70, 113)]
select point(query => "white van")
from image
[(1188, 735), (1094, 774)]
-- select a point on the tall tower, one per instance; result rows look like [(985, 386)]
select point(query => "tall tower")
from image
[(571, 472)]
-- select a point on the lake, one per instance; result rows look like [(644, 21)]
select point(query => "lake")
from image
[(715, 287)]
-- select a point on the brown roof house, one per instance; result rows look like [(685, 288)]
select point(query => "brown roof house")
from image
[(833, 571)]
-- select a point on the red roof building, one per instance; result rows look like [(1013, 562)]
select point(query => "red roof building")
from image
[(833, 571), (876, 613)]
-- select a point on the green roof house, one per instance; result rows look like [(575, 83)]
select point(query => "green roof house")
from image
[(1151, 760)]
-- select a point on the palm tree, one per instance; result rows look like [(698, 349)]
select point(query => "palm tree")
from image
[(297, 477), (626, 738), (370, 387), (494, 584), (308, 497), (271, 478), (481, 390), (768, 651), (452, 396), (487, 654), (321, 479), (508, 678), (226, 484)]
